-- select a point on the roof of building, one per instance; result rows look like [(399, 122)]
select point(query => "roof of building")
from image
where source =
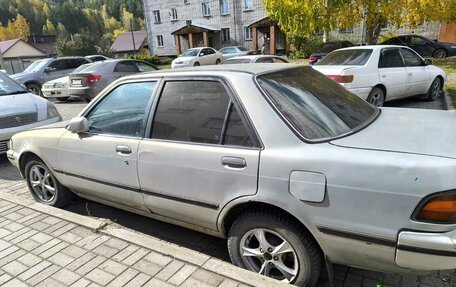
[(124, 42), (194, 28), (44, 43), (6, 45)]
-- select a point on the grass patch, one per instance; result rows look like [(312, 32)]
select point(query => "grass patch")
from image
[(164, 67), (452, 91), (447, 64)]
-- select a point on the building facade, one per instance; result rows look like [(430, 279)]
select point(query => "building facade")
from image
[(176, 25)]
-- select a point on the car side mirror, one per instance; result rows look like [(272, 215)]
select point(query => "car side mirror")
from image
[(78, 125), (428, 62), (202, 54), (48, 70)]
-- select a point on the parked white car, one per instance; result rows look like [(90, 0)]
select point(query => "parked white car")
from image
[(234, 51), (382, 73), (198, 57), (251, 59), (21, 110)]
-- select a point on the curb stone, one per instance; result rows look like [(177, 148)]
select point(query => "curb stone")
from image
[(447, 102), (107, 227)]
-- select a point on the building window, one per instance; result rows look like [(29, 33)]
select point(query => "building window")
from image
[(173, 14), (206, 9), (346, 30), (157, 18), (224, 7), (248, 5), (225, 34), (160, 41), (247, 33)]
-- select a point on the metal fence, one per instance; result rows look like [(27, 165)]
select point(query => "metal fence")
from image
[(13, 66)]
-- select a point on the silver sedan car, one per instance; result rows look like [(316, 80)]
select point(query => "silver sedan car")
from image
[(21, 110), (286, 164)]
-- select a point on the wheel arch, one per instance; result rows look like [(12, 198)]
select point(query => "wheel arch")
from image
[(32, 82), (24, 158), (383, 88), (442, 81), (231, 215)]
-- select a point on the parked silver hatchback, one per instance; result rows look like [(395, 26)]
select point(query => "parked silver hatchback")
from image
[(288, 165)]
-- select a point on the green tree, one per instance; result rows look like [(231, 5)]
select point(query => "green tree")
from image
[(49, 28)]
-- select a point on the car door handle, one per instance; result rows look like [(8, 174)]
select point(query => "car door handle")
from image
[(233, 162), (123, 149)]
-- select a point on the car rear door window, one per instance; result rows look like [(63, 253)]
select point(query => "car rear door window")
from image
[(279, 61), (197, 112), (122, 111), (411, 59), (265, 60), (390, 58)]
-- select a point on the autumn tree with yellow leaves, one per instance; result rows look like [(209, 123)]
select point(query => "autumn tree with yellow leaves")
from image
[(303, 18), (16, 28)]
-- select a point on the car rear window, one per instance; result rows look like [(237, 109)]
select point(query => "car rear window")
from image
[(237, 61), (352, 57), (316, 107)]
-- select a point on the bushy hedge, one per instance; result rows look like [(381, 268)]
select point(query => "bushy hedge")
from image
[(152, 59)]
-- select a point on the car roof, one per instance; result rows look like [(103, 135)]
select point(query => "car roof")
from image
[(251, 57), (218, 70)]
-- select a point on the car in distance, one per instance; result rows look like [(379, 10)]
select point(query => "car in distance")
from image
[(288, 165), (97, 58), (234, 51), (93, 79), (197, 57), (424, 46), (58, 88), (255, 59), (21, 110), (41, 71), (383, 72), (326, 48)]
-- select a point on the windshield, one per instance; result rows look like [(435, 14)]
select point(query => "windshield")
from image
[(352, 57), (9, 86), (316, 107), (36, 66), (236, 61), (190, 53), (82, 67)]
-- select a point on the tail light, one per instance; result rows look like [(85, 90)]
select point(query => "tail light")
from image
[(313, 59), (439, 208), (343, 79), (92, 78)]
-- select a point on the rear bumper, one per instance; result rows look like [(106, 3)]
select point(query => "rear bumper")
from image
[(426, 251), (83, 92), (363, 93)]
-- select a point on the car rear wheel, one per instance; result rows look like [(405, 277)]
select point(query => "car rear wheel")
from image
[(217, 61), (434, 90), (440, 53), (376, 97), (196, 64), (44, 187), (34, 89), (274, 246)]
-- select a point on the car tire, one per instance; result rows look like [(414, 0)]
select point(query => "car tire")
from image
[(440, 53), (434, 90), (43, 185), (34, 89), (217, 62), (301, 263), (196, 64), (376, 97)]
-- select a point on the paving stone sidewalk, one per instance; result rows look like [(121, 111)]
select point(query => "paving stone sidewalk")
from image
[(39, 249)]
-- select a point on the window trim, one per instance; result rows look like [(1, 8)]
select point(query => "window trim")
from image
[(174, 9), (233, 97), (227, 7), (245, 34), (222, 36), (147, 110), (246, 8), (204, 5)]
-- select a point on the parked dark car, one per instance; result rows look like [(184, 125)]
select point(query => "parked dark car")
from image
[(424, 46), (89, 82), (326, 48), (41, 71)]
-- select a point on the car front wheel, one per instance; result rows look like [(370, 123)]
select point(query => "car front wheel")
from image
[(44, 187), (196, 64), (376, 97), (434, 90), (34, 89), (274, 246), (218, 61)]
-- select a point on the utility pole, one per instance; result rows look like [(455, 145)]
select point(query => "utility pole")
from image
[(132, 36)]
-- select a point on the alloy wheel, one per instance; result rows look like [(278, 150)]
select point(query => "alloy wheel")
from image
[(435, 89), (268, 253), (42, 183), (34, 90)]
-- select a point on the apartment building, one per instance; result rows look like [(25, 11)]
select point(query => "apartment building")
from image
[(176, 25)]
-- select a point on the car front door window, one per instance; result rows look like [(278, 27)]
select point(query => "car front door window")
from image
[(122, 111), (411, 59)]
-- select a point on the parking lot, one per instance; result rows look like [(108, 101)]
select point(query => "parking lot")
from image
[(11, 182)]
